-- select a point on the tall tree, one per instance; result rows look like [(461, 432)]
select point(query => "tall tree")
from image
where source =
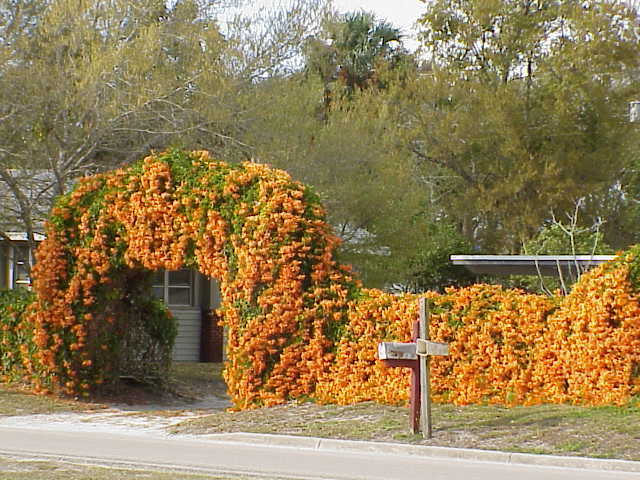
[(269, 42), (88, 84), (94, 81), (365, 176), (353, 155), (351, 53), (523, 110)]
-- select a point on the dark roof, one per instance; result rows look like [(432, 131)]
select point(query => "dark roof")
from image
[(546, 265)]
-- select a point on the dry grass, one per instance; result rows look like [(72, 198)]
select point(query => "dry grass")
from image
[(188, 384), (197, 380), (606, 432), (15, 400)]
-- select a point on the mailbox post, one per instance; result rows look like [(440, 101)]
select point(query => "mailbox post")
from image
[(416, 356), (396, 354)]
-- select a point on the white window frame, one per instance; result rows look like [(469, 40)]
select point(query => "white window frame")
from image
[(166, 288), (14, 263)]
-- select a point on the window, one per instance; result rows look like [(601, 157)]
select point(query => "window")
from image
[(175, 288), (20, 274)]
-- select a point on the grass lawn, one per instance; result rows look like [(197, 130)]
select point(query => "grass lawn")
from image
[(606, 432), (15, 400)]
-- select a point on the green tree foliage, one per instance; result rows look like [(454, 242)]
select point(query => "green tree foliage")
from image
[(363, 178), (342, 137), (359, 43), (426, 263), (352, 52), (92, 83), (265, 43), (561, 238), (345, 148), (523, 110)]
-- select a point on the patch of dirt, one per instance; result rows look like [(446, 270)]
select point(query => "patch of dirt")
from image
[(137, 410), (190, 386)]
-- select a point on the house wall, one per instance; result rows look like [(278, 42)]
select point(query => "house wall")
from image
[(187, 345), (12, 271), (193, 329)]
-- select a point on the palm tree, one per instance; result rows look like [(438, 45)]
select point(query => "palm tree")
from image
[(355, 45), (360, 41)]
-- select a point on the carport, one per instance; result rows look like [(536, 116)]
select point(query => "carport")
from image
[(545, 265)]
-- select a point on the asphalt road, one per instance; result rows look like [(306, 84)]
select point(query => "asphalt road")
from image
[(215, 456)]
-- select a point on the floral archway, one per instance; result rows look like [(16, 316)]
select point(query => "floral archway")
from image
[(299, 324), (260, 234)]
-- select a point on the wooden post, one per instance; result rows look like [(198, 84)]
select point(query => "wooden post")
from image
[(416, 355), (425, 366), (414, 399)]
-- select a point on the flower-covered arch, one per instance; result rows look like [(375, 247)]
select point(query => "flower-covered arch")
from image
[(299, 324), (260, 234)]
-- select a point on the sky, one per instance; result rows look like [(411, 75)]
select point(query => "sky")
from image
[(401, 13)]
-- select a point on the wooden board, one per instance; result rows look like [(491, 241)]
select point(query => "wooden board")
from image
[(426, 347), (397, 351)]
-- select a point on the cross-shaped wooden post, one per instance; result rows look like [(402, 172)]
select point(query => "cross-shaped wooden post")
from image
[(417, 356)]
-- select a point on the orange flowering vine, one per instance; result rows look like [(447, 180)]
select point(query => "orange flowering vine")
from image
[(299, 323)]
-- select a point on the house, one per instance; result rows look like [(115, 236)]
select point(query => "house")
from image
[(189, 295), (15, 259)]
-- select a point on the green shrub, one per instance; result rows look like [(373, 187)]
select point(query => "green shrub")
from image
[(15, 339)]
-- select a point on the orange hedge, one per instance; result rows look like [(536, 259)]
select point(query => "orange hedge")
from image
[(299, 324), (506, 346), (590, 351), (491, 332)]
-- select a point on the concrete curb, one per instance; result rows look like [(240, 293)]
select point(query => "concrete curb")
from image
[(327, 444)]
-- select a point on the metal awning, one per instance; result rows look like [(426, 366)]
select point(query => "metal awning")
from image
[(22, 236), (546, 265)]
